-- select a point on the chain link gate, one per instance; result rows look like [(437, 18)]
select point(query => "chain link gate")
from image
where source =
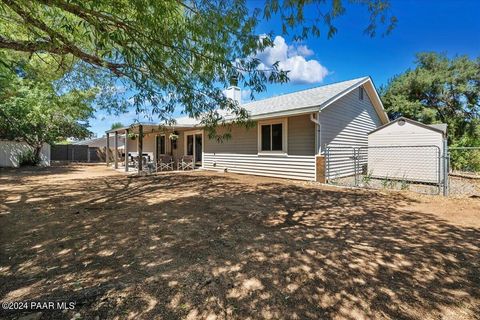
[(416, 168)]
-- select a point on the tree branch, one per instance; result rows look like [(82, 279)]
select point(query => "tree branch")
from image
[(61, 43)]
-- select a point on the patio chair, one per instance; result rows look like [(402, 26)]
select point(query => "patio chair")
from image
[(144, 162), (185, 163), (165, 163)]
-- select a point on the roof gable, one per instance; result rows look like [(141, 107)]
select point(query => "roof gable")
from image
[(441, 127)]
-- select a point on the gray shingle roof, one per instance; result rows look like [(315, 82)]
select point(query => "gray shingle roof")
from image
[(314, 97), (439, 126), (290, 102), (300, 99)]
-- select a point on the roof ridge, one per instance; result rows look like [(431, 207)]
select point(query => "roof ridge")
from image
[(316, 87)]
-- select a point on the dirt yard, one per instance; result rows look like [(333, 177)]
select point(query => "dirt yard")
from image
[(202, 245)]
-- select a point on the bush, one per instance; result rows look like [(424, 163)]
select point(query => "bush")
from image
[(28, 159), (467, 160)]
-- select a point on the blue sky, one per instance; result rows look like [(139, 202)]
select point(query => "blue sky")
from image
[(448, 26)]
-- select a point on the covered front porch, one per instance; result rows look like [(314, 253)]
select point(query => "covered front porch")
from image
[(154, 147)]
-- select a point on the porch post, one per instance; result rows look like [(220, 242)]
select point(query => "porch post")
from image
[(107, 150), (115, 155), (140, 148), (125, 147)]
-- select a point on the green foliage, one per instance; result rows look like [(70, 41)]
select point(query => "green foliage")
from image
[(385, 182), (404, 184), (28, 158), (466, 160), (439, 90), (367, 178), (168, 54), (33, 110), (116, 125)]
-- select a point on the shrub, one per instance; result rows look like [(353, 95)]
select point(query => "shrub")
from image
[(28, 159)]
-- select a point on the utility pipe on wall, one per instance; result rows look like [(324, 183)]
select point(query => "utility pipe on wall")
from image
[(317, 131)]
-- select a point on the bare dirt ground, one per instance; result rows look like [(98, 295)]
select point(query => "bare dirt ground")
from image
[(203, 245)]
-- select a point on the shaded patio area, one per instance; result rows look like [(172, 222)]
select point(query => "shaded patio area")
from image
[(201, 245)]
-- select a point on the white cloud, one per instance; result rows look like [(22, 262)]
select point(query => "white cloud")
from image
[(293, 58)]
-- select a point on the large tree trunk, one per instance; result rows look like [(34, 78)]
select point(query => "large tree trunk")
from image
[(36, 154)]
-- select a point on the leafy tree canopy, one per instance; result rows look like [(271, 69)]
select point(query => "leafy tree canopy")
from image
[(439, 90), (170, 53), (32, 109), (116, 125)]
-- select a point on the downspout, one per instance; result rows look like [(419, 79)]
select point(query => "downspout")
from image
[(317, 131)]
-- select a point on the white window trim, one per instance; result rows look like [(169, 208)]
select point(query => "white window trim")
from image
[(284, 122), (187, 133)]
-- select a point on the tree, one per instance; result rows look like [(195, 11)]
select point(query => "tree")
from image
[(116, 125), (31, 109), (170, 53), (439, 90)]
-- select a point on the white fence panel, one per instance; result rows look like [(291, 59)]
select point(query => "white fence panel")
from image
[(11, 151)]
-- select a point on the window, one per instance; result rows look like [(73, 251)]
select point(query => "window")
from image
[(272, 136), (161, 145), (360, 93), (190, 145)]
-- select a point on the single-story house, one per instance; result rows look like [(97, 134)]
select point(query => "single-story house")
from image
[(289, 136)]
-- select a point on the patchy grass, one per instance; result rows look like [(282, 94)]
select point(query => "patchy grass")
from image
[(203, 245)]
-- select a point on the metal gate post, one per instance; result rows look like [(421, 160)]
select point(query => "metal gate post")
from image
[(446, 169), (327, 155), (355, 159)]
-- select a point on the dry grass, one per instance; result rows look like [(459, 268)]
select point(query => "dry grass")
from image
[(221, 246)]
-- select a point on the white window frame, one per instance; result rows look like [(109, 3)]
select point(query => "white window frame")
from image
[(284, 123), (194, 132)]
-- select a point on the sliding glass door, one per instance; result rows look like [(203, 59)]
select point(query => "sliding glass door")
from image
[(194, 146)]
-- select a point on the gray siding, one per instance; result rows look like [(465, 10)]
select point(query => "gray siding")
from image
[(347, 121), (343, 125), (301, 136), (300, 141), (240, 153), (243, 141), (179, 151), (291, 167)]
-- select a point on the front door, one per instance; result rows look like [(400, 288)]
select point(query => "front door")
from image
[(194, 147)]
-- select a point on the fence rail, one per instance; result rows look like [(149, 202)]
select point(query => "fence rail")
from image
[(427, 169), (464, 171), (417, 168), (80, 153)]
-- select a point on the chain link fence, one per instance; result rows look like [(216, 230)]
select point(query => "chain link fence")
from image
[(416, 168), (425, 169), (464, 171)]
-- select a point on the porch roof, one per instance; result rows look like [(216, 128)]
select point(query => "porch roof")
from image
[(152, 127)]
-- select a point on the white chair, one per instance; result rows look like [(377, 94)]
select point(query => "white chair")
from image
[(165, 163), (185, 163)]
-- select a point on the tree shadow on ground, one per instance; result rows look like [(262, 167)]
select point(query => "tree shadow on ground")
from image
[(203, 245)]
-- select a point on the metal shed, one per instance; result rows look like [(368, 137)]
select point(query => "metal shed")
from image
[(406, 149)]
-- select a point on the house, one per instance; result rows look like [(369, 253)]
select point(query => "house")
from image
[(289, 136), (406, 149)]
